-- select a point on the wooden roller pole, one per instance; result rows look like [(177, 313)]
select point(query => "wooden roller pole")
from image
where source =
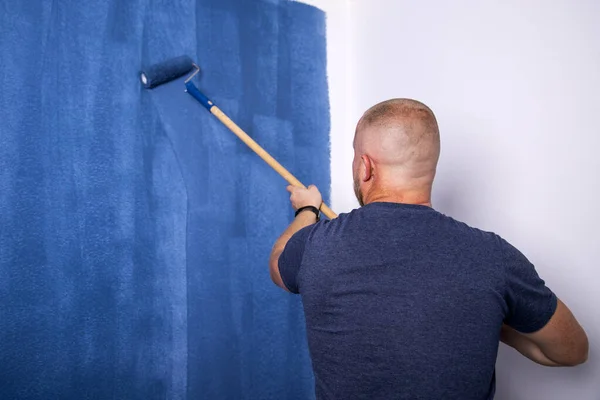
[(291, 179)]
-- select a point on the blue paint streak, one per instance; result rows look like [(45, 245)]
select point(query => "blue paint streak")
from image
[(134, 227)]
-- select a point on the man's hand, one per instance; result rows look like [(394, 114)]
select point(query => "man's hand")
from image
[(301, 197)]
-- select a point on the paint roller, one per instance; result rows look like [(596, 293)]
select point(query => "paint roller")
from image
[(174, 68)]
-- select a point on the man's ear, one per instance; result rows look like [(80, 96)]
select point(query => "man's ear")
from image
[(366, 167)]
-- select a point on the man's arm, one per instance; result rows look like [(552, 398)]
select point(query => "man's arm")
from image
[(302, 220), (537, 323), (299, 198), (561, 342)]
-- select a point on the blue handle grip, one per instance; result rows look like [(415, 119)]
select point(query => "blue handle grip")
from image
[(198, 95)]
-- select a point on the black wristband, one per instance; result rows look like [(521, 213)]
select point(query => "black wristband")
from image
[(311, 208)]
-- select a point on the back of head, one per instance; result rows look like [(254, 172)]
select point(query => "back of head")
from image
[(399, 140)]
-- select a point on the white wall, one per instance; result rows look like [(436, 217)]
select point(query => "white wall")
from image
[(516, 89)]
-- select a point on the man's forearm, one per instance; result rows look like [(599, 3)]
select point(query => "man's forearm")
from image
[(303, 219), (300, 197), (525, 346)]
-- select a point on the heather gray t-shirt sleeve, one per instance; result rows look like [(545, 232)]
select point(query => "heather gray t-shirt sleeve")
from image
[(290, 259), (530, 302)]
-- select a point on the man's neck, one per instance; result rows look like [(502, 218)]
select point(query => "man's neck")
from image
[(416, 197)]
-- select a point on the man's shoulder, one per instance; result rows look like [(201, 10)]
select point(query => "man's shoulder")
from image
[(489, 242), (458, 225), (362, 218)]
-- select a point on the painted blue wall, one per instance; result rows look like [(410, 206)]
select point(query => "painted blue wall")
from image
[(135, 229)]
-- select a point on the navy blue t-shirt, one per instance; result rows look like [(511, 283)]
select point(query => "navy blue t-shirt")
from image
[(403, 302)]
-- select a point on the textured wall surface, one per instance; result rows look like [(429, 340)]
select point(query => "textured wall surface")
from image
[(135, 229)]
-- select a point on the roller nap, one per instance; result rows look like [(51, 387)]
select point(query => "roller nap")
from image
[(166, 71)]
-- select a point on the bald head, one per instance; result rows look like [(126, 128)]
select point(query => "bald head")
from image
[(397, 145)]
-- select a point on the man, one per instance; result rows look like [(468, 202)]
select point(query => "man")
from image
[(401, 301)]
